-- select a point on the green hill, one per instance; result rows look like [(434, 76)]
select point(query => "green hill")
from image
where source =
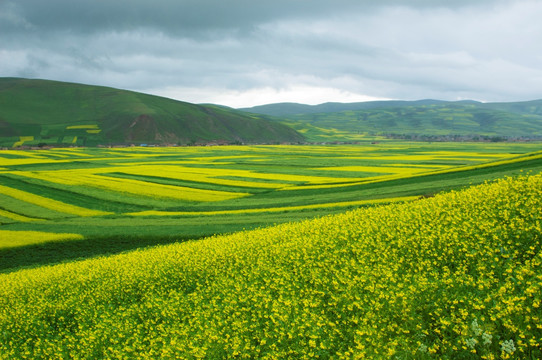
[(456, 276), (418, 119), (286, 109), (36, 112)]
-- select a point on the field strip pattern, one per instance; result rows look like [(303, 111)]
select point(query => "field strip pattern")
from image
[(420, 172), (49, 203), (275, 209), (11, 239), (80, 187), (16, 217), (141, 188)]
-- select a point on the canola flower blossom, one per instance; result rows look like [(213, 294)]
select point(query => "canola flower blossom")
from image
[(456, 276)]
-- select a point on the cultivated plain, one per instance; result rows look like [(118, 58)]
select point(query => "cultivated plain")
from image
[(428, 276), (112, 200)]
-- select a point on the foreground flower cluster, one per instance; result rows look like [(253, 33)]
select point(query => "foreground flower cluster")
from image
[(454, 276)]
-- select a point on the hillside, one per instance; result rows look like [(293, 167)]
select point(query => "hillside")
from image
[(287, 109), (424, 119), (455, 276), (42, 112)]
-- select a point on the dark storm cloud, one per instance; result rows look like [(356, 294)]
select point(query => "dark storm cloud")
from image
[(240, 51), (180, 16)]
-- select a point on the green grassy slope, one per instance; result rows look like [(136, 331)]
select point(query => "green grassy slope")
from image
[(533, 107), (286, 109), (456, 276), (42, 111), (414, 119)]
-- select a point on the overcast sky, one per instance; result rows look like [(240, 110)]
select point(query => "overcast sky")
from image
[(250, 52)]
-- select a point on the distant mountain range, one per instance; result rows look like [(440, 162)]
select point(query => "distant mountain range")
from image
[(43, 112), (412, 119), (286, 109)]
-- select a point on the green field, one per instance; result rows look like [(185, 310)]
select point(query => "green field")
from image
[(112, 200)]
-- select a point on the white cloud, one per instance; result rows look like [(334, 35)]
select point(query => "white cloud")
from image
[(311, 95)]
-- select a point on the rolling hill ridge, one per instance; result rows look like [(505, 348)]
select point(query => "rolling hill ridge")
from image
[(413, 119), (40, 112)]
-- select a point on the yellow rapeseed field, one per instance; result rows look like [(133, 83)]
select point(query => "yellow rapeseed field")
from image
[(378, 169), (413, 172), (16, 217), (22, 140), (28, 161), (93, 126), (274, 209), (206, 175), (11, 239), (456, 276), (141, 188), (49, 203)]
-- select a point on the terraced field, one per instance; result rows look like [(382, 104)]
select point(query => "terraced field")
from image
[(111, 200)]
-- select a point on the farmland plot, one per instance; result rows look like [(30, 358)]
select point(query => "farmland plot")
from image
[(161, 194)]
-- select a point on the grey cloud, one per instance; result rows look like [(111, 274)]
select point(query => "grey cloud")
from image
[(170, 16), (183, 16), (486, 49)]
